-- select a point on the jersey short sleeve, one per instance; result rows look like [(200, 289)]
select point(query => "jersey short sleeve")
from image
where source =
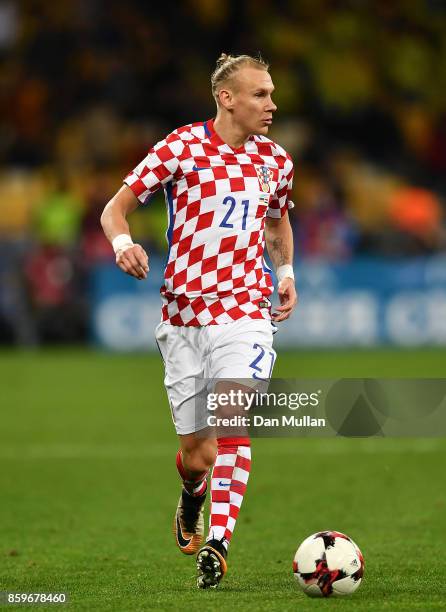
[(158, 168), (281, 201)]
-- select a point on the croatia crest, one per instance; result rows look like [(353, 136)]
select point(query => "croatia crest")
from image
[(264, 175)]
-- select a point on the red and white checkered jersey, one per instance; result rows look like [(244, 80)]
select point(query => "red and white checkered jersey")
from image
[(217, 199)]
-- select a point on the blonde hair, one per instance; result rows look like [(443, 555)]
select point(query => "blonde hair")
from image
[(228, 65)]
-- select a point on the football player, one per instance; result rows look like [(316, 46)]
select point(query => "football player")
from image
[(227, 188)]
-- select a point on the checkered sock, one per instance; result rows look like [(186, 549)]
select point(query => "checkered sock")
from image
[(195, 486), (228, 485)]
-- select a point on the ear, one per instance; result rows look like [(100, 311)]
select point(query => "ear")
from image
[(226, 98)]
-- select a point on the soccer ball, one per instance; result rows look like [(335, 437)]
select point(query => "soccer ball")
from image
[(328, 563)]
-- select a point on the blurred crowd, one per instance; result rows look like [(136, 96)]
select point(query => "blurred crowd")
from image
[(86, 86)]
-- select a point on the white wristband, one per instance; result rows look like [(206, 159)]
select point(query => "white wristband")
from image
[(285, 271), (122, 242)]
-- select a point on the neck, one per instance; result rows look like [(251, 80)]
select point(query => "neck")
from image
[(228, 131)]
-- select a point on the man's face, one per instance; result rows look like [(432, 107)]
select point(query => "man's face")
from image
[(251, 103)]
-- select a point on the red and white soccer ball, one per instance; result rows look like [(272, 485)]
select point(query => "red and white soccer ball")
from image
[(328, 563)]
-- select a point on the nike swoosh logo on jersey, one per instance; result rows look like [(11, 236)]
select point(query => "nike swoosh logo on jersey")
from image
[(181, 540), (197, 168)]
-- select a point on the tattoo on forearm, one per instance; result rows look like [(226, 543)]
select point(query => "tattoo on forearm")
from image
[(279, 252)]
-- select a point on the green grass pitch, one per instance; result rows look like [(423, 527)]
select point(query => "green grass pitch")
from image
[(88, 488)]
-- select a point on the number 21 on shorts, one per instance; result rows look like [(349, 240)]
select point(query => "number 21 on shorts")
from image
[(263, 363)]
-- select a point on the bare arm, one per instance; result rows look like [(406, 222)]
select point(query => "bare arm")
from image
[(132, 259), (279, 243), (279, 240)]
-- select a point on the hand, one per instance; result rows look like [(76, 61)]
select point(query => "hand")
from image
[(288, 300), (133, 261)]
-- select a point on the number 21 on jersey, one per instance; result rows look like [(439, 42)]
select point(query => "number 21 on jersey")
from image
[(230, 202)]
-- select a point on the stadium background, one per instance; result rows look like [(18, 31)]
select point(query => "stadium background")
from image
[(85, 88)]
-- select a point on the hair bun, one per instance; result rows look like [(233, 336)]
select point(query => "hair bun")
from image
[(222, 59)]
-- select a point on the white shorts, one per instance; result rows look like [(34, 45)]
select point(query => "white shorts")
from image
[(239, 350)]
